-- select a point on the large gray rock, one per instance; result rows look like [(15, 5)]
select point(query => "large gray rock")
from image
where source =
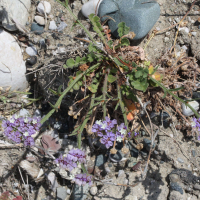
[(12, 66), (14, 9), (137, 15)]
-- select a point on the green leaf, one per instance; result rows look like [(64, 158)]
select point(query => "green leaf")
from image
[(140, 85), (59, 90), (110, 43), (125, 42), (111, 78), (53, 91), (122, 29), (93, 88), (97, 26), (76, 86), (138, 74), (176, 89), (70, 63)]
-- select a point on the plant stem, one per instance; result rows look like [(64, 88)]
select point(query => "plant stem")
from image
[(85, 121), (176, 97), (105, 91), (122, 105)]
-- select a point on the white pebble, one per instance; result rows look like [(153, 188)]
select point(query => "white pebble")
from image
[(90, 7), (166, 39), (52, 25), (68, 191), (120, 172), (41, 6), (184, 29), (31, 51), (93, 190), (187, 111), (39, 20), (167, 33), (24, 113), (194, 33), (184, 48), (62, 26)]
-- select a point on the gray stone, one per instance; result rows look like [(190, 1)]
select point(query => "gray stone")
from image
[(147, 144), (37, 113), (180, 160), (187, 111), (100, 160), (16, 10), (138, 16), (37, 29), (193, 153), (116, 157), (132, 161), (79, 192), (44, 7), (175, 186), (120, 172), (61, 193), (31, 61), (62, 26), (31, 51)]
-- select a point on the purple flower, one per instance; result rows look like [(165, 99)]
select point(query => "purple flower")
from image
[(129, 134), (76, 155), (136, 134), (108, 139), (20, 129), (64, 162), (122, 129), (83, 179), (29, 141)]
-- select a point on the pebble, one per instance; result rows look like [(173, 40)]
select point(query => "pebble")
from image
[(57, 125), (132, 161), (39, 20), (61, 193), (166, 39), (41, 5), (147, 144), (134, 152), (196, 96), (61, 26), (139, 17), (120, 172), (37, 113), (130, 197), (194, 33), (199, 27), (184, 29), (31, 61), (93, 190), (52, 25), (80, 192), (116, 157), (180, 160), (31, 51), (42, 44), (90, 7), (37, 29), (193, 153), (187, 111), (100, 160), (175, 186), (24, 113)]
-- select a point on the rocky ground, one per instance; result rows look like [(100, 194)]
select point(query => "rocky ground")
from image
[(173, 171)]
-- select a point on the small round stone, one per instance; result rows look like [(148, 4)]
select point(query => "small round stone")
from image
[(93, 190), (37, 29), (44, 7), (31, 51), (39, 20), (31, 60)]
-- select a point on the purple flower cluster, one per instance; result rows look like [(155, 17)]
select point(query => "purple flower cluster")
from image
[(70, 160), (20, 129), (104, 130), (82, 179), (121, 132), (196, 126)]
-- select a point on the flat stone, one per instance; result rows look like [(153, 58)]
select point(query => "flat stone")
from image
[(61, 26), (180, 160), (37, 29), (31, 51), (52, 25), (16, 10), (93, 190), (175, 186), (39, 20), (138, 16), (100, 160), (61, 193), (147, 144)]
